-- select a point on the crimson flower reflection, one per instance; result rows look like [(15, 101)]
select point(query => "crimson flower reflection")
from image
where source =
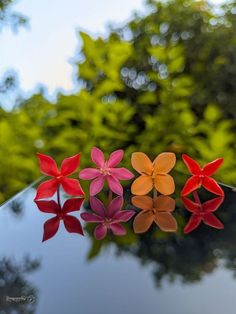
[(202, 212), (71, 223), (109, 217)]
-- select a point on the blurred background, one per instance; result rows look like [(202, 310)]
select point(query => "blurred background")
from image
[(143, 76)]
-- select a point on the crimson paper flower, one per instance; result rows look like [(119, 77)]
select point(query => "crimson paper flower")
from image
[(48, 166), (202, 212), (106, 171), (71, 223), (108, 218), (202, 176)]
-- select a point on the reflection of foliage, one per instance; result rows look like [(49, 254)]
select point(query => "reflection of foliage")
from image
[(16, 207), (165, 81), (13, 284), (175, 256)]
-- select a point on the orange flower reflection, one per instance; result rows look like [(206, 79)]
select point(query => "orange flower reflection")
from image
[(153, 174), (158, 210)]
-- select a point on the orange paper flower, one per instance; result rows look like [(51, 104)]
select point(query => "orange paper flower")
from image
[(158, 210), (153, 174)]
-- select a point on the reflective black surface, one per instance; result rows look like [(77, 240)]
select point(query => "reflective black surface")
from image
[(154, 272)]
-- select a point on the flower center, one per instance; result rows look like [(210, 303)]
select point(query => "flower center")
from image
[(60, 216), (105, 171), (107, 222), (59, 177)]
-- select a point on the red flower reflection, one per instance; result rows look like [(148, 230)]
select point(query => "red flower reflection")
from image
[(202, 176), (108, 218), (48, 166), (202, 212), (72, 224)]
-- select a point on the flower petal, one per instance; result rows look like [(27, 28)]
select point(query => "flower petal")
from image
[(48, 165), (100, 232), (192, 184), (97, 206), (144, 202), (115, 158), (72, 204), (193, 223), (191, 206), (192, 165), (48, 206), (142, 185), (47, 189), (72, 224), (166, 222), (211, 185), (88, 217), (97, 157), (89, 173), (141, 163), (164, 184), (213, 204), (118, 229), (211, 220), (211, 167), (72, 187), (121, 173), (164, 162), (69, 165), (50, 228), (96, 185), (115, 185), (142, 222), (124, 215), (115, 206), (164, 203)]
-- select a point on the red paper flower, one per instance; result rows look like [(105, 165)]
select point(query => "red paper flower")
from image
[(108, 218), (71, 223), (202, 176), (202, 212), (48, 166)]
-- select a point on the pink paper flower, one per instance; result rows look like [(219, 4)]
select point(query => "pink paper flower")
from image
[(106, 171), (108, 218)]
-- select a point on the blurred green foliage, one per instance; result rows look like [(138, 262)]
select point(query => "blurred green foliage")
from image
[(164, 81)]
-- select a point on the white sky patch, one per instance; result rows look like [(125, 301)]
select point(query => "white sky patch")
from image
[(42, 52)]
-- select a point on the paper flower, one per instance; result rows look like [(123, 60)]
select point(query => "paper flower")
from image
[(106, 171), (48, 166), (108, 218), (71, 223), (156, 210), (201, 176), (202, 212), (153, 174)]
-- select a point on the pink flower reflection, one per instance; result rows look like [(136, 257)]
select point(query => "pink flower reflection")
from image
[(108, 218)]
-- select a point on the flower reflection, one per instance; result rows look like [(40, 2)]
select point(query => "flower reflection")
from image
[(71, 223), (108, 218), (202, 212), (158, 210)]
